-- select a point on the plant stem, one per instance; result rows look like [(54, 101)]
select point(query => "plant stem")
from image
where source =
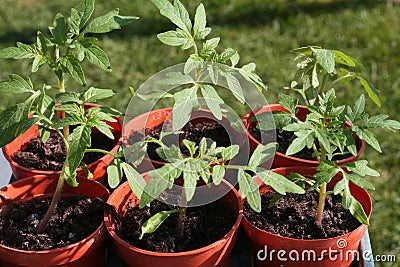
[(97, 150), (321, 203), (182, 214), (56, 197), (322, 190), (321, 88)]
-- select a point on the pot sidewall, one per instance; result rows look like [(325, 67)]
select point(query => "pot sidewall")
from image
[(342, 249), (217, 253), (86, 252)]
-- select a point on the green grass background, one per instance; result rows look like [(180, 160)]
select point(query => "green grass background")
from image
[(263, 32)]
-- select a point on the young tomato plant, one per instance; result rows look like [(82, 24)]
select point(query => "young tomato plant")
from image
[(329, 131), (70, 43), (205, 63), (319, 69), (203, 164)]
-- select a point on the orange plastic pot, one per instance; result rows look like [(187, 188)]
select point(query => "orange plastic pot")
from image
[(215, 254), (156, 117), (98, 167), (87, 252), (282, 160), (274, 251)]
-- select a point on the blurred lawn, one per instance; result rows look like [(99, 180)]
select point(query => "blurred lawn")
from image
[(263, 32)]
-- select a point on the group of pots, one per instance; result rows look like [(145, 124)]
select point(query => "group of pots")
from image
[(91, 251)]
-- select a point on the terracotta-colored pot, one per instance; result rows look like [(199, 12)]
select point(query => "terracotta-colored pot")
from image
[(215, 254), (156, 117), (282, 160), (98, 168), (337, 251), (87, 252)]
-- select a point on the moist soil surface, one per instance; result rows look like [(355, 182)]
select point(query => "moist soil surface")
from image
[(74, 219), (203, 226), (193, 131), (284, 139), (294, 216), (50, 156)]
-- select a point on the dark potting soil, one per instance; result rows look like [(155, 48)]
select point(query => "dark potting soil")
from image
[(50, 156), (203, 226), (74, 219), (294, 216), (193, 131), (284, 139)]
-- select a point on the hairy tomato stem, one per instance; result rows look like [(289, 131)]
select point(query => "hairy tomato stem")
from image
[(321, 203), (182, 214), (56, 197)]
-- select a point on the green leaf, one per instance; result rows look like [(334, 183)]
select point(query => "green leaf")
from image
[(38, 62), (44, 133), (323, 139), (226, 55), (68, 97), (218, 173), (168, 10), (59, 30), (17, 85), (108, 22), (344, 59), (74, 21), (160, 180), (19, 52), (152, 224), (369, 137), (176, 78), (212, 100), (357, 210), (191, 146), (279, 183), (71, 65), (229, 152), (361, 168), (249, 190), (93, 94), (169, 154), (85, 9), (68, 121), (185, 102), (371, 91), (200, 22), (190, 178), (235, 87), (41, 43), (13, 122), (211, 44), (358, 109), (361, 182), (135, 179), (114, 172), (98, 57), (79, 140), (339, 187), (314, 77), (172, 38), (288, 103), (183, 14), (135, 153), (326, 58), (261, 154), (302, 139)]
